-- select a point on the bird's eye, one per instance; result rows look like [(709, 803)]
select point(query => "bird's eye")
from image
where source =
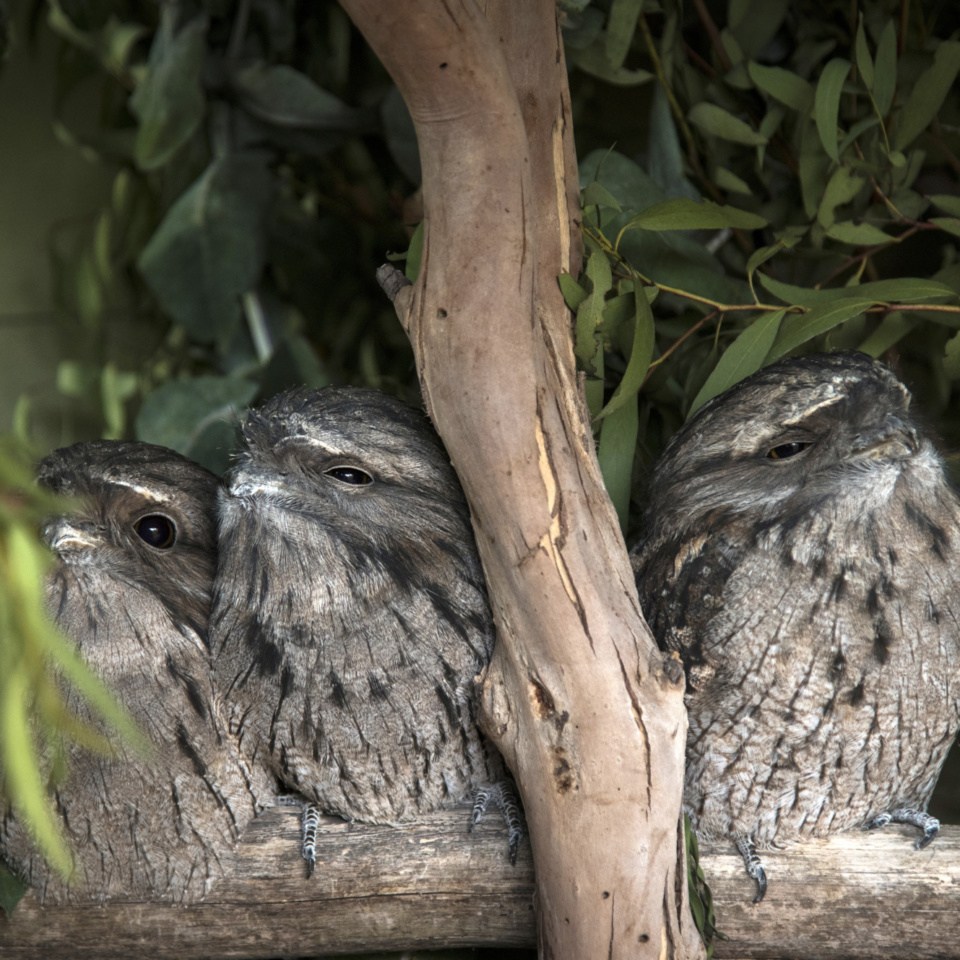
[(353, 475), (157, 531), (786, 450)]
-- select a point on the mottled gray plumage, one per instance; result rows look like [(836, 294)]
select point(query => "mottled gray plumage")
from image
[(802, 558), (350, 614), (132, 588)]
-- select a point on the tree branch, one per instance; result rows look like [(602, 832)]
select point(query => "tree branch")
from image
[(430, 884), (577, 697)]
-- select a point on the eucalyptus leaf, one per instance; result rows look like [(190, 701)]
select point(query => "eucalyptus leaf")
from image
[(621, 24), (864, 60), (12, 890), (177, 413), (951, 357), (859, 234), (799, 328), (717, 122), (950, 224), (928, 94), (784, 86), (885, 80), (682, 213), (827, 103), (743, 357), (900, 290), (209, 249), (641, 352), (948, 203), (169, 101), (280, 95), (618, 441), (893, 328)]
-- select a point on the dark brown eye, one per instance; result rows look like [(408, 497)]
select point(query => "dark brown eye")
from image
[(786, 450), (157, 531), (352, 475)]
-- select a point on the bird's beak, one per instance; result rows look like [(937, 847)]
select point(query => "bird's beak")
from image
[(893, 440), (62, 535)]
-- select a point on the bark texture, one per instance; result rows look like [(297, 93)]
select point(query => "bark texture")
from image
[(428, 884), (577, 698)]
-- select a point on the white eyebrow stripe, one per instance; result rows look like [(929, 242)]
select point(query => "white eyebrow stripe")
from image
[(143, 491), (828, 402), (310, 441)]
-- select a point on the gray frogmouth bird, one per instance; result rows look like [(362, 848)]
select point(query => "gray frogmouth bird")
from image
[(802, 556), (131, 587), (350, 614)]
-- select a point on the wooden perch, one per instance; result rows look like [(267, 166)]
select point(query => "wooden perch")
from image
[(430, 884)]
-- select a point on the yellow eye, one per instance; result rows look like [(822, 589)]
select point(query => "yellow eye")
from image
[(786, 450)]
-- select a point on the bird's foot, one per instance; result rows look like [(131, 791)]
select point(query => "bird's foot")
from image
[(309, 822), (504, 795), (914, 818), (754, 867)]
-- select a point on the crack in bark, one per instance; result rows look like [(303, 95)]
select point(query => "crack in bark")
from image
[(638, 719)]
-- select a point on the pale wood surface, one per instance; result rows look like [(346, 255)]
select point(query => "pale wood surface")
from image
[(431, 884)]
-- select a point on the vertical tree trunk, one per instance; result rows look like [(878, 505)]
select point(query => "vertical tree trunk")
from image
[(577, 697)]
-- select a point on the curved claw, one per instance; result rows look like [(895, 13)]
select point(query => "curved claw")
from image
[(754, 867), (914, 818), (503, 794)]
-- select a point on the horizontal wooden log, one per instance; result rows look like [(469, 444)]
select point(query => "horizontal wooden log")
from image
[(431, 884)]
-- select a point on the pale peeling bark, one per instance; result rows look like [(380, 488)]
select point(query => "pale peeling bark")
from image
[(577, 697)]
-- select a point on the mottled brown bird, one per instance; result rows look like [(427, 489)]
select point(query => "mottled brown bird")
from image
[(802, 559), (131, 587), (350, 613)]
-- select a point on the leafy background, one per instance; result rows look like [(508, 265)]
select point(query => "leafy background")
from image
[(197, 195)]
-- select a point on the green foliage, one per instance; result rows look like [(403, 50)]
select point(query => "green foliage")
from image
[(807, 146), (783, 179), (36, 663)]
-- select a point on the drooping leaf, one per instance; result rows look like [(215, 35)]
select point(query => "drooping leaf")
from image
[(842, 188), (169, 101), (717, 122), (784, 86), (864, 60), (12, 890), (799, 328), (948, 203), (928, 94), (885, 80), (641, 353), (284, 97), (209, 248), (894, 327), (903, 290), (683, 213), (178, 413), (743, 357), (827, 103), (618, 441), (859, 234), (621, 24)]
